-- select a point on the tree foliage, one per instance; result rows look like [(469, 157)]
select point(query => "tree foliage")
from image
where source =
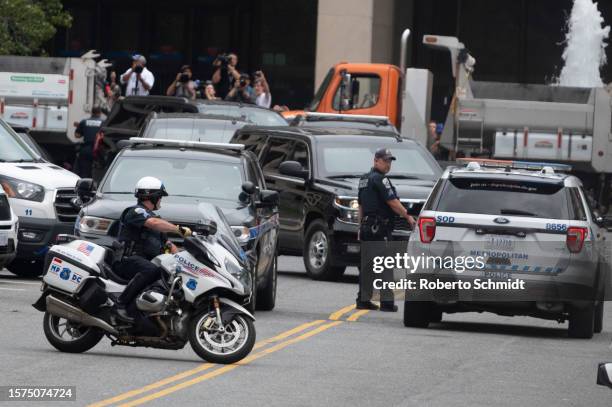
[(26, 25)]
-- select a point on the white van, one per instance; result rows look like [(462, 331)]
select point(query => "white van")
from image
[(8, 230), (40, 194)]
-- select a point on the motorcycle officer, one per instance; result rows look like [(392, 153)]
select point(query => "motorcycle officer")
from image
[(143, 234)]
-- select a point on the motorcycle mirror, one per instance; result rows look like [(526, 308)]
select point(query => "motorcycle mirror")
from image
[(248, 187), (206, 227)]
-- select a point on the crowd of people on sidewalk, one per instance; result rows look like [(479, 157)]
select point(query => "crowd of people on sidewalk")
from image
[(227, 83)]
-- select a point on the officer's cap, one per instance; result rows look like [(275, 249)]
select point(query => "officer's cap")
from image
[(385, 154)]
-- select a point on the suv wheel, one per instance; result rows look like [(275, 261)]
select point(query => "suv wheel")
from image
[(266, 296), (317, 253), (26, 267), (417, 314), (598, 322), (581, 322)]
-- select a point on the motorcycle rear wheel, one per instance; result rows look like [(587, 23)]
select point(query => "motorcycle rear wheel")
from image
[(67, 336), (224, 348)]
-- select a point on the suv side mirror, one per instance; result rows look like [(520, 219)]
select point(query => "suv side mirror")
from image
[(293, 169), (598, 219), (269, 199), (85, 189), (604, 374), (248, 188)]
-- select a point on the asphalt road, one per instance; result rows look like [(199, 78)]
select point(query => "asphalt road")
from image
[(313, 350)]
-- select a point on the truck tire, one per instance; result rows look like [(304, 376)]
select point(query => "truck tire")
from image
[(26, 268), (598, 321), (417, 314), (266, 296), (318, 245), (581, 322)]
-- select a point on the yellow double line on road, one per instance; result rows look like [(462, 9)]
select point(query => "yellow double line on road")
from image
[(281, 341)]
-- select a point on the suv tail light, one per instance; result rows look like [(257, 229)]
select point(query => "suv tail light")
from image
[(575, 238), (427, 229)]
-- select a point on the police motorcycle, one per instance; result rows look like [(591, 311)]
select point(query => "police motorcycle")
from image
[(197, 300)]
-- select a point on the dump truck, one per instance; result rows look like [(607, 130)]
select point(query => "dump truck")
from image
[(530, 122)]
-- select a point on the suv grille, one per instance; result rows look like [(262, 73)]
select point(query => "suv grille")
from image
[(5, 209), (63, 208), (401, 223)]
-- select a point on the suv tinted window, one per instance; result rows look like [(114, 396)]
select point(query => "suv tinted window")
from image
[(252, 142), (300, 154), (276, 152), (576, 207), (504, 197)]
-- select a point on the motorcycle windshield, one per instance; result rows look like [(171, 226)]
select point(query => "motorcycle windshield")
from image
[(224, 236)]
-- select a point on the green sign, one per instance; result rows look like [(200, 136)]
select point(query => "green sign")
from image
[(24, 78)]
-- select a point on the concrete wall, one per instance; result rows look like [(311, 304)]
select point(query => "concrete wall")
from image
[(353, 31)]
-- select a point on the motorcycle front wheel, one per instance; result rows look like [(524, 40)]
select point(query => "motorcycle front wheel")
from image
[(68, 336), (226, 346)]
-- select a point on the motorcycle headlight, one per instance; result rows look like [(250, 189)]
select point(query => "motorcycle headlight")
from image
[(242, 233), (239, 273), (92, 224), (16, 188), (348, 209)]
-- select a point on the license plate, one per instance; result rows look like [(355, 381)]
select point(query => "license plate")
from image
[(3, 239), (499, 242)]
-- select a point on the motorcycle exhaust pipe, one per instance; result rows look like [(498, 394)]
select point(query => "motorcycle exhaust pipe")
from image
[(64, 310)]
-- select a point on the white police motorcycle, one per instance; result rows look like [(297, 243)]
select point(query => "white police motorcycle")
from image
[(197, 300)]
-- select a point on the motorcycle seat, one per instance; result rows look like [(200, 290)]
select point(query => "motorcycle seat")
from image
[(107, 272)]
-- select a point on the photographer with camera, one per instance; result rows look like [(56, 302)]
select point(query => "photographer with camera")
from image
[(183, 86), (138, 78), (263, 97), (242, 91), (225, 73)]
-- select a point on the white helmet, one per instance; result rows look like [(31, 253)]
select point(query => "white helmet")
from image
[(149, 188)]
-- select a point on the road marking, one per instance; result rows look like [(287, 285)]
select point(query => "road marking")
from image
[(338, 314), (357, 314), (200, 368), (12, 289), (228, 368)]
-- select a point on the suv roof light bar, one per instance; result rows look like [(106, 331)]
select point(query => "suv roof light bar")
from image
[(188, 144), (347, 116), (544, 167)]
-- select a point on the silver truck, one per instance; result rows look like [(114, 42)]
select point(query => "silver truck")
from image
[(529, 122), (48, 95)]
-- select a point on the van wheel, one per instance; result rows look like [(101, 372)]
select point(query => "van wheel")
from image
[(26, 267), (266, 297), (581, 322), (317, 253), (598, 322), (417, 314)]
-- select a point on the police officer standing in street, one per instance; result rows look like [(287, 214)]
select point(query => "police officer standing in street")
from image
[(378, 205), (144, 236), (88, 130)]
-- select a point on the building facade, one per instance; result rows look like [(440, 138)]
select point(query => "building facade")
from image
[(295, 42)]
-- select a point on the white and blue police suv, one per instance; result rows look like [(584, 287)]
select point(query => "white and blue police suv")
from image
[(532, 243)]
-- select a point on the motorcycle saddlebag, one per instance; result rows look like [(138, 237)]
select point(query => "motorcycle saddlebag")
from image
[(92, 295)]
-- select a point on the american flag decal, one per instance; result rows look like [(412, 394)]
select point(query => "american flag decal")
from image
[(85, 248)]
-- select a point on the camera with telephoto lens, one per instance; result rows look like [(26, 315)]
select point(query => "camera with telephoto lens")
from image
[(184, 78), (138, 68), (224, 59)]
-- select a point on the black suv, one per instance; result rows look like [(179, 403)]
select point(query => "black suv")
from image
[(193, 173), (316, 172)]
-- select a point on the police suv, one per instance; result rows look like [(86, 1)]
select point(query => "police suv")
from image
[(519, 222)]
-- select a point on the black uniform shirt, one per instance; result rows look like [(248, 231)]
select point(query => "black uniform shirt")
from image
[(374, 191), (88, 128), (146, 242)]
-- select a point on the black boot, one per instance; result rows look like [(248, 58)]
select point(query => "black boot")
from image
[(388, 307), (365, 305), (122, 313), (134, 287)]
